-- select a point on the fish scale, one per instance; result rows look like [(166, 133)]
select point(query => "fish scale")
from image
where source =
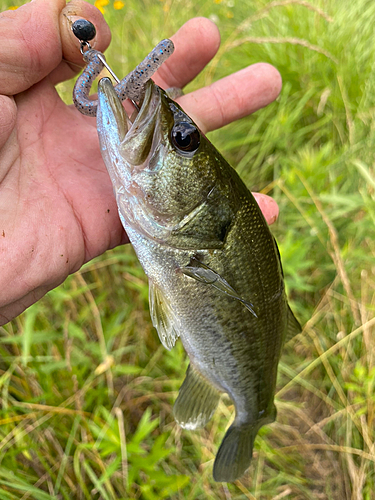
[(214, 270)]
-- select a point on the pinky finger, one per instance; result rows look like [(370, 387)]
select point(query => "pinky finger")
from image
[(268, 206)]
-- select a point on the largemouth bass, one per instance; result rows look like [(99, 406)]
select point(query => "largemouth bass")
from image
[(214, 270)]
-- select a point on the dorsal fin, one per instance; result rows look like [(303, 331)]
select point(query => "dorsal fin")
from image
[(293, 326)]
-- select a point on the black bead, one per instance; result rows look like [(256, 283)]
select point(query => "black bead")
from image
[(83, 30)]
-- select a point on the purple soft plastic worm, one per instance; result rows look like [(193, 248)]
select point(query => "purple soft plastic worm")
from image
[(84, 82), (130, 87)]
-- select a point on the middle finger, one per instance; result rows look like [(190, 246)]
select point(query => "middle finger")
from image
[(196, 43)]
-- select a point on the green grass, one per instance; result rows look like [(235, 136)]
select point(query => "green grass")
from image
[(86, 387)]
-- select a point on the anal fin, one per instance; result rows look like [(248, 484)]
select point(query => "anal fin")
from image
[(163, 317), (196, 402)]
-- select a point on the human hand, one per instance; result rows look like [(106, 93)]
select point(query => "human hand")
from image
[(57, 209)]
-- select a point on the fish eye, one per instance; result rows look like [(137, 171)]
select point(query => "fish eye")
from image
[(185, 137)]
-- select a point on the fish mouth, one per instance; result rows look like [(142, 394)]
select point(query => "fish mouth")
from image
[(142, 137), (131, 149), (148, 104), (135, 136)]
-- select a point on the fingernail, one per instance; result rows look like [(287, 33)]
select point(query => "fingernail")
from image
[(72, 19)]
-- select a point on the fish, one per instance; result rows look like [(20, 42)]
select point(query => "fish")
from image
[(213, 265), (214, 269)]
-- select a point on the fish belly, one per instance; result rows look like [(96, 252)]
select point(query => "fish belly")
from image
[(235, 351)]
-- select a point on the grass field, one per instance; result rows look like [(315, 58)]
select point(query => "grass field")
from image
[(86, 388)]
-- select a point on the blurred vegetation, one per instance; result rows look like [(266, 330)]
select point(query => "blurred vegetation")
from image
[(86, 387)]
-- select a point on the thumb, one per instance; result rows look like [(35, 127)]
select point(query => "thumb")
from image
[(33, 45), (78, 9), (30, 42)]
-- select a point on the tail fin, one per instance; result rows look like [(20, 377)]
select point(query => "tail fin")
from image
[(235, 452)]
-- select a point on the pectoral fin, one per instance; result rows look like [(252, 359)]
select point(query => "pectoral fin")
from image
[(196, 402), (201, 272), (163, 317)]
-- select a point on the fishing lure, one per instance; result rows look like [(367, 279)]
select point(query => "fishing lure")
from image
[(131, 87)]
